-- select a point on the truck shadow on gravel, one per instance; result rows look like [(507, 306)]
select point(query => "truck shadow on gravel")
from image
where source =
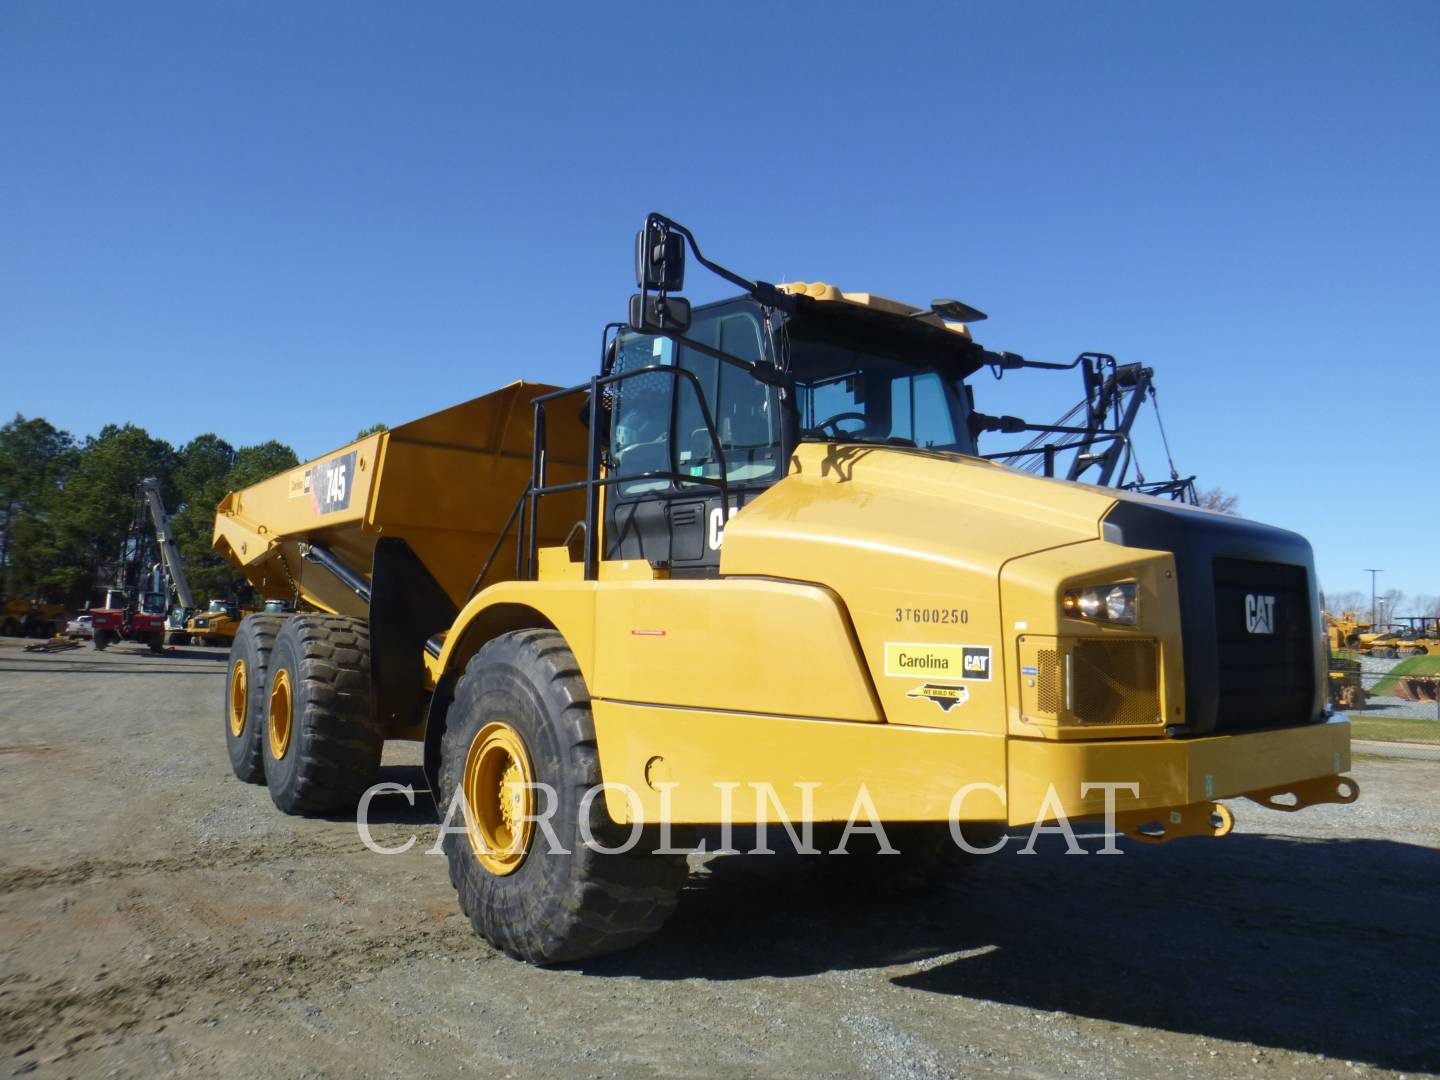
[(1319, 946)]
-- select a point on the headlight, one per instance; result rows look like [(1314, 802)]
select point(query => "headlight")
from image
[(1104, 603)]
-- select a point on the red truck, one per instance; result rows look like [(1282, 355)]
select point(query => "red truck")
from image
[(118, 618)]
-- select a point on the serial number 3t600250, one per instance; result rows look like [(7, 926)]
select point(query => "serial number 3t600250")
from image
[(931, 615)]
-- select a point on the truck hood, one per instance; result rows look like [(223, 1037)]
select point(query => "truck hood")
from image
[(934, 506)]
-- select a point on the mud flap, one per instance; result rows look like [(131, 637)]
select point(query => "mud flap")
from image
[(407, 607)]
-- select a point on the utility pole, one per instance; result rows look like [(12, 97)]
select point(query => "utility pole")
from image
[(1373, 621)]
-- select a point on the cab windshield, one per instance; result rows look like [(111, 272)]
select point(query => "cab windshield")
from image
[(851, 395), (857, 380), (153, 603), (216, 607)]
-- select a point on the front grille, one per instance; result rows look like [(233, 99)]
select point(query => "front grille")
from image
[(1047, 694), (1264, 650), (1115, 682), (1112, 682)]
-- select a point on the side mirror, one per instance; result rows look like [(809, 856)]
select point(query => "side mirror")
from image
[(659, 315), (659, 259)]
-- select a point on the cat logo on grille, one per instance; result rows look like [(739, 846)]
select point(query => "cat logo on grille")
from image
[(947, 697), (1259, 613)]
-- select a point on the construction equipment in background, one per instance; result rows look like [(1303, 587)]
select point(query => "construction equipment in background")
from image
[(136, 606), (757, 566), (1406, 636), (1384, 644), (170, 561), (1345, 630), (1095, 443), (1419, 637), (217, 624), (31, 618), (1347, 690), (125, 613)]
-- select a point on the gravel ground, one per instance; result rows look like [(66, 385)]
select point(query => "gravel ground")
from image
[(158, 917)]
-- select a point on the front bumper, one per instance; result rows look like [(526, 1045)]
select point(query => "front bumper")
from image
[(1046, 778)]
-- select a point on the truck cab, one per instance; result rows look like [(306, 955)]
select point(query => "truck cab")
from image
[(863, 374)]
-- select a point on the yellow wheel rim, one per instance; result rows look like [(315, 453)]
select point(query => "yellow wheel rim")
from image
[(499, 798), (239, 698), (279, 714)]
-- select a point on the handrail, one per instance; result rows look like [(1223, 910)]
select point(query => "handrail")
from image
[(527, 507), (593, 482)]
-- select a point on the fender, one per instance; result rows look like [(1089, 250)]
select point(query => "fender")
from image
[(565, 606)]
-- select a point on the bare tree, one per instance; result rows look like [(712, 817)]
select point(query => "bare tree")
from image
[(1339, 602), (1426, 605), (1217, 499), (1388, 605)]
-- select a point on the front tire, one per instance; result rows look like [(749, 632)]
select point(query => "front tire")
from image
[(245, 685), (322, 741), (521, 715), (100, 639)]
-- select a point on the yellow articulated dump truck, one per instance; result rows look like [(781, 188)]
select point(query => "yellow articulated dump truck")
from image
[(757, 568), (216, 625)]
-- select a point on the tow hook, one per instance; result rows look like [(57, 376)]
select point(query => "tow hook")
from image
[(1160, 827), (1322, 789)]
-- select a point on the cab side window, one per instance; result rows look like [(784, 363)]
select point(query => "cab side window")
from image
[(642, 412), (658, 423)]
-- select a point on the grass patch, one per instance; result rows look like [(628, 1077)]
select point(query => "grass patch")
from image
[(1394, 728), (1411, 665)]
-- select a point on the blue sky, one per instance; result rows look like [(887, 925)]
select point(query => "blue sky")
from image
[(291, 221)]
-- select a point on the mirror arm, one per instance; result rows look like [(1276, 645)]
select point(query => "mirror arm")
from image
[(1009, 361), (1014, 425), (761, 291)]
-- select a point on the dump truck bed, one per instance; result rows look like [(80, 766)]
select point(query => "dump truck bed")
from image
[(445, 483)]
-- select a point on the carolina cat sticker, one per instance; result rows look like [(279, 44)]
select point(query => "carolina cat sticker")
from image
[(907, 659), (947, 697)]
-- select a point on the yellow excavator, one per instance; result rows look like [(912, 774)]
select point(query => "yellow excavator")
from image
[(757, 567)]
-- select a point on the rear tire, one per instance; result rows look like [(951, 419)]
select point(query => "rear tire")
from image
[(321, 741), (551, 908), (100, 639), (244, 707)]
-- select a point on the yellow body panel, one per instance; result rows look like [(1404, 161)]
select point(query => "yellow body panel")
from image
[(885, 530), (1170, 772), (915, 774), (746, 644), (911, 774)]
